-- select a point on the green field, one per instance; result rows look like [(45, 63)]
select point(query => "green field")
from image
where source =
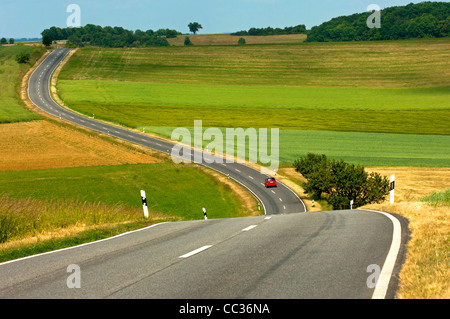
[(376, 64), (408, 110), (371, 149), (374, 103), (171, 190), (11, 73)]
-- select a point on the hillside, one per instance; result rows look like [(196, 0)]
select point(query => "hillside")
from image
[(422, 20)]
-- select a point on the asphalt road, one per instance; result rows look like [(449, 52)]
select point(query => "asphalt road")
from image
[(274, 201), (337, 254), (289, 256)]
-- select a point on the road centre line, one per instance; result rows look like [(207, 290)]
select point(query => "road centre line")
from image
[(249, 227), (195, 251)]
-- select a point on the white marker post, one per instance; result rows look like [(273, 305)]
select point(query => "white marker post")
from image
[(144, 203), (392, 188), (204, 213), (351, 204)]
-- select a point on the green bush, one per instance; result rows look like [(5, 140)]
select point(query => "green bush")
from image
[(187, 41), (23, 58), (341, 181)]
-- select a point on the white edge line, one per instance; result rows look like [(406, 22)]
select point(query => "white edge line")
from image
[(79, 246), (389, 264), (195, 251)]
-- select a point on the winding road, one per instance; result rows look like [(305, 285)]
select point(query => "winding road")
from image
[(284, 254)]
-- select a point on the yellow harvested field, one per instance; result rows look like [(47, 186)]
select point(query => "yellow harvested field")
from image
[(227, 39), (426, 272), (413, 183), (45, 144)]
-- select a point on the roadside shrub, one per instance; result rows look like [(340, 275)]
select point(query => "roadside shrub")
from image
[(23, 58), (341, 182)]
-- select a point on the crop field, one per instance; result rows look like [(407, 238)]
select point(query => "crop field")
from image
[(328, 97), (10, 74), (32, 145), (373, 149), (228, 39), (377, 64)]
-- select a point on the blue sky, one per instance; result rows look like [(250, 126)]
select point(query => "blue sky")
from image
[(28, 18)]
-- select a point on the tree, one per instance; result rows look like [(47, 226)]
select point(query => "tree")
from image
[(187, 41), (241, 41), (341, 181), (3, 41), (46, 40), (426, 19), (110, 37), (194, 27), (11, 41)]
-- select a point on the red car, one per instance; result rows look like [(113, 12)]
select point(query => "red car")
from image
[(270, 182)]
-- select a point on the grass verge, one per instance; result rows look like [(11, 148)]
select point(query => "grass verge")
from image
[(11, 73), (22, 249)]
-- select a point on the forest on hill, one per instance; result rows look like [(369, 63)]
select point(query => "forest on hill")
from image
[(422, 20)]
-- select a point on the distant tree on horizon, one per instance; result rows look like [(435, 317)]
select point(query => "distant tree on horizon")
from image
[(194, 27), (46, 40)]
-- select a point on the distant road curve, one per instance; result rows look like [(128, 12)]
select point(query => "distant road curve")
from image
[(280, 200)]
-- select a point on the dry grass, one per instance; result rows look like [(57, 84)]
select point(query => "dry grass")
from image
[(426, 272), (44, 145), (26, 221), (227, 39)]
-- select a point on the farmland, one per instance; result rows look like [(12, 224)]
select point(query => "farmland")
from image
[(377, 64), (361, 96), (11, 109), (333, 97), (62, 186)]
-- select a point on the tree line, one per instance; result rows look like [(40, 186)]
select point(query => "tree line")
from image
[(425, 19), (112, 37), (340, 182), (299, 29)]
